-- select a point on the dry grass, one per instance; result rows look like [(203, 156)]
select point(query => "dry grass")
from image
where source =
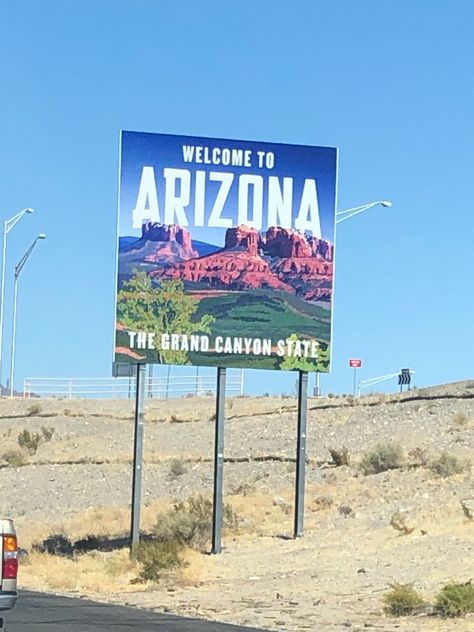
[(97, 572), (112, 572)]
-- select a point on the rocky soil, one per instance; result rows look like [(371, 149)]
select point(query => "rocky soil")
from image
[(332, 578)]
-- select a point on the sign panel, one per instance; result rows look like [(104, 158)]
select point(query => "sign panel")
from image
[(225, 253), (355, 364)]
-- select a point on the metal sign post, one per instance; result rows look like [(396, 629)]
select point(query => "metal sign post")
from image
[(218, 463), (301, 453), (137, 457), (404, 378), (355, 364)]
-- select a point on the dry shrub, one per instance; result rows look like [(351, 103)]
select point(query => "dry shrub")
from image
[(29, 441), (178, 420), (455, 600), (34, 409), (243, 489), (190, 522), (383, 457), (446, 465), (460, 421), (156, 558), (419, 457), (403, 600), (177, 469), (15, 458), (47, 432), (119, 563), (324, 502), (340, 457)]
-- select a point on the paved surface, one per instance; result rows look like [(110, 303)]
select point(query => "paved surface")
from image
[(37, 612)]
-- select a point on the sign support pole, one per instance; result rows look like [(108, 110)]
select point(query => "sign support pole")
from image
[(218, 463), (137, 457), (355, 372), (301, 453)]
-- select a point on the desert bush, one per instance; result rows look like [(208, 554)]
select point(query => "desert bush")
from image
[(15, 458), (455, 600), (402, 600), (34, 409), (324, 502), (399, 522), (47, 433), (156, 558), (419, 457), (190, 522), (339, 457), (460, 420), (243, 489), (29, 441), (383, 457), (119, 564), (177, 469), (446, 465)]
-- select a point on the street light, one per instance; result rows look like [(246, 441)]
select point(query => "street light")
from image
[(18, 269), (350, 212), (7, 226), (340, 217)]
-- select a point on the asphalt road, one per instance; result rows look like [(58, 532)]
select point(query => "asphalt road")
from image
[(37, 612)]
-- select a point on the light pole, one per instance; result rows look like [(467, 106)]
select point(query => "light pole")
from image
[(340, 217), (350, 212), (7, 226), (18, 269)]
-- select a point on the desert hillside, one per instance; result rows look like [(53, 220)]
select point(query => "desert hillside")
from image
[(66, 469)]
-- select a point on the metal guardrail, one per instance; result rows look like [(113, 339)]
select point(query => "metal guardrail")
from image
[(124, 387)]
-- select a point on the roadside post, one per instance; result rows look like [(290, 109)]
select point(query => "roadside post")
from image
[(137, 457), (301, 453), (355, 364), (404, 379), (218, 463)]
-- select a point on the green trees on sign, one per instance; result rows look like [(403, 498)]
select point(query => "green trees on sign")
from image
[(294, 363), (164, 308)]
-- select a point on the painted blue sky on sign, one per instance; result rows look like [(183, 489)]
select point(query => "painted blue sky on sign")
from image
[(163, 150)]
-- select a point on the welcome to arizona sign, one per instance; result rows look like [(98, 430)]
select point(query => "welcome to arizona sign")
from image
[(226, 253)]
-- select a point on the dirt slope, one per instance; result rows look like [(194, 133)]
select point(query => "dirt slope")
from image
[(79, 482)]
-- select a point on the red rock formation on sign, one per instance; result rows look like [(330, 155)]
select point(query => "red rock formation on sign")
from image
[(285, 242), (228, 269), (322, 248), (242, 237), (291, 244), (280, 259), (169, 233)]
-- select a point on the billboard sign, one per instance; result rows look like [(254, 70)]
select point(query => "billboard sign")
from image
[(355, 363), (225, 253)]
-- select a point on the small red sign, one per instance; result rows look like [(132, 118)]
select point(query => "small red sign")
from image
[(355, 364)]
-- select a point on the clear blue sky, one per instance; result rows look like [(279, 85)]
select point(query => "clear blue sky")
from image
[(389, 83)]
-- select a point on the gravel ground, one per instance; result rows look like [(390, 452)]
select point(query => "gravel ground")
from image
[(333, 578)]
